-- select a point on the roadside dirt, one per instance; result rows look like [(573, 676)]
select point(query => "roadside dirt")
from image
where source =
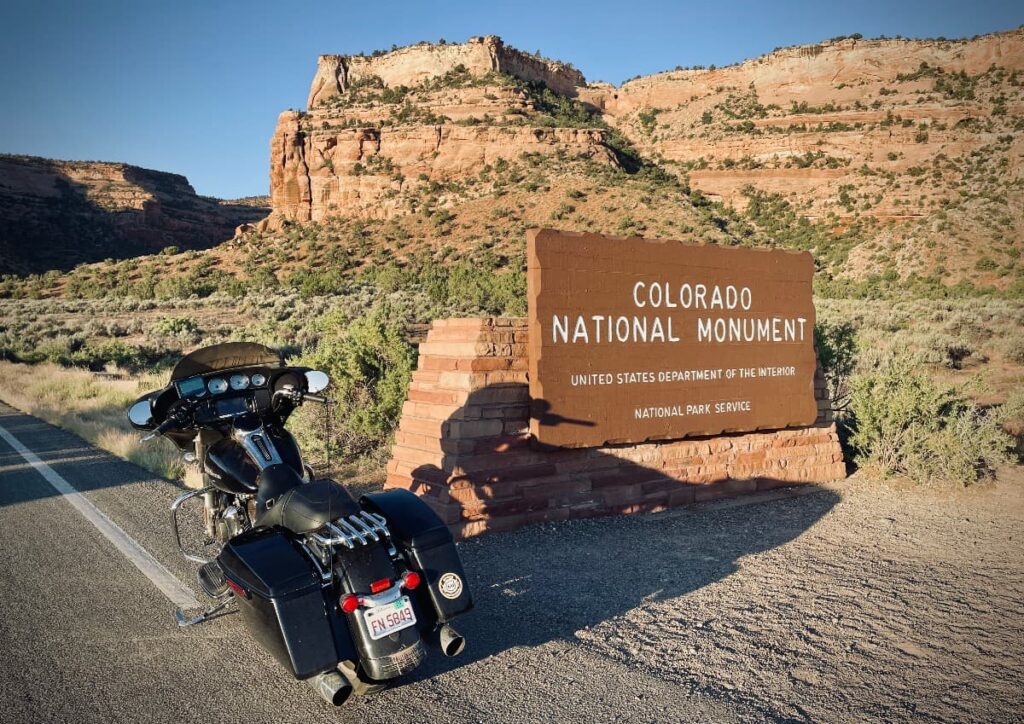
[(897, 603)]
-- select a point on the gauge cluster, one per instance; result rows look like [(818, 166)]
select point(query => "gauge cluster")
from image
[(218, 384)]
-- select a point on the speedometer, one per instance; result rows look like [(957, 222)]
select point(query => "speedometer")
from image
[(217, 385), (258, 380), (239, 382)]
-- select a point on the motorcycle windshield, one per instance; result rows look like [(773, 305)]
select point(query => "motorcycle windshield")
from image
[(223, 357)]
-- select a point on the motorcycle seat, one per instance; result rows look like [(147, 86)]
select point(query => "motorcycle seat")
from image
[(307, 507)]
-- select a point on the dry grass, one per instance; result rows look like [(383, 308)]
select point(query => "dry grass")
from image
[(972, 343), (91, 407)]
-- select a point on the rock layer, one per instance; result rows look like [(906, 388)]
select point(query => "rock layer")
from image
[(853, 101), (361, 171), (414, 64), (56, 214), (914, 147)]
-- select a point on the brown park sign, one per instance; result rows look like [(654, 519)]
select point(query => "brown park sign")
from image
[(634, 339)]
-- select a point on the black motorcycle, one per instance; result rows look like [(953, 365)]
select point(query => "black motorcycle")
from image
[(343, 593)]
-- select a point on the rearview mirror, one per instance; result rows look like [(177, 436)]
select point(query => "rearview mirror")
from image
[(316, 381), (140, 414)]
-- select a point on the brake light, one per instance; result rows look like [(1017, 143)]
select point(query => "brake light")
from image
[(411, 580), (381, 585), (349, 602)]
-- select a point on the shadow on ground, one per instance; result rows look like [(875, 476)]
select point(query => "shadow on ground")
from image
[(88, 466), (547, 582)]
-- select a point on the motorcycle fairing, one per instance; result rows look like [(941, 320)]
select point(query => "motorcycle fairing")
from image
[(225, 356)]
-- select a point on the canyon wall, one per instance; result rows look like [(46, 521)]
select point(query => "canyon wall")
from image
[(414, 64), (379, 126), (361, 171), (56, 214), (892, 104), (912, 148)]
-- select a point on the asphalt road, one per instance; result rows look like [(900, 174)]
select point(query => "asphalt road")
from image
[(87, 637), (692, 615)]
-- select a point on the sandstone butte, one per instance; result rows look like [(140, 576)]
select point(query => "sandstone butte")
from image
[(55, 214), (909, 133)]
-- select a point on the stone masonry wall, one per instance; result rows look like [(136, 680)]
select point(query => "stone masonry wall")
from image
[(463, 444)]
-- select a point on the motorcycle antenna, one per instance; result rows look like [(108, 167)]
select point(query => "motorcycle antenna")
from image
[(328, 434)]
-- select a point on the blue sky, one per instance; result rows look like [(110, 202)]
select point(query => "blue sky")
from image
[(195, 87)]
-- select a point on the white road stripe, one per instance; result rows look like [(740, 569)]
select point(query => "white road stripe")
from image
[(155, 571)]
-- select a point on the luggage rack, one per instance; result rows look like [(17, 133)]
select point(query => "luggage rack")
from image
[(357, 529)]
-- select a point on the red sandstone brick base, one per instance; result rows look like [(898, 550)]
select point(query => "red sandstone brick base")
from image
[(463, 445)]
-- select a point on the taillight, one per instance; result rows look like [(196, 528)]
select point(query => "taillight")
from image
[(381, 585), (349, 602), (411, 580), (239, 591)]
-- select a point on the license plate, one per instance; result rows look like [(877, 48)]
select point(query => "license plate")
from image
[(385, 620)]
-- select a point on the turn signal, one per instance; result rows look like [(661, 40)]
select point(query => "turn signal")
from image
[(349, 602), (411, 580)]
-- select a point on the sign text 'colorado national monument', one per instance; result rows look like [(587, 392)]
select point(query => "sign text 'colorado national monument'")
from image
[(636, 339)]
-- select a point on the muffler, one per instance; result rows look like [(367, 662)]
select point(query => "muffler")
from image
[(451, 641), (332, 687)]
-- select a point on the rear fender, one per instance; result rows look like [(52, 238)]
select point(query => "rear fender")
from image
[(428, 547)]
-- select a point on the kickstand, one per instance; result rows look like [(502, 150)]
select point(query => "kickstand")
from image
[(200, 618)]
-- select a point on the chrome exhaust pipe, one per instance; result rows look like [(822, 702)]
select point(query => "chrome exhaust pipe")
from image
[(451, 641), (332, 687)]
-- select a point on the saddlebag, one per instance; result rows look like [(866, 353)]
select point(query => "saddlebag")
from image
[(428, 547), (283, 602)]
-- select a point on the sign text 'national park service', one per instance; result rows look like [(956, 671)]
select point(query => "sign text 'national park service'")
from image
[(633, 339)]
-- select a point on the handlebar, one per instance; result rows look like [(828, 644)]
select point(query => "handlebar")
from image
[(162, 428), (297, 396), (180, 414), (177, 417)]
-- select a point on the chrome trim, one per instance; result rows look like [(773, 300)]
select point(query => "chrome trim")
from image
[(347, 527), (336, 536), (358, 529), (321, 558), (343, 537), (361, 524), (381, 524), (235, 519), (259, 446), (201, 617), (174, 522), (383, 598)]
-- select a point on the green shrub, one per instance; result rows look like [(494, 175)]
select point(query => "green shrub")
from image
[(905, 423), (945, 350), (1013, 349), (370, 364), (175, 327), (1013, 408), (836, 345)]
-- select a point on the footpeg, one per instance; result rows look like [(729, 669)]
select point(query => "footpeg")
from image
[(200, 618), (212, 581)]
